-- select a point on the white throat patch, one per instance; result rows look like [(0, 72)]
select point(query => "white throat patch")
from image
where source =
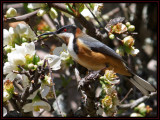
[(70, 47), (70, 44)]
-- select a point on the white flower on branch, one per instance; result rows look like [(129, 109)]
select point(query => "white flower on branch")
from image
[(54, 61), (36, 105), (18, 57), (25, 31), (17, 35), (7, 38)]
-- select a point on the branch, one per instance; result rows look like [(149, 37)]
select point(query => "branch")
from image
[(24, 17), (136, 102), (54, 92), (87, 88), (126, 95), (88, 25)]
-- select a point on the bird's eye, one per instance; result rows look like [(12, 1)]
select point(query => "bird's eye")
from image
[(65, 30)]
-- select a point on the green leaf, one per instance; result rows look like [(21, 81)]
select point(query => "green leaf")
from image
[(68, 8)]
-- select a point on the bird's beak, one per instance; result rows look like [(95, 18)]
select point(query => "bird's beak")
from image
[(49, 33)]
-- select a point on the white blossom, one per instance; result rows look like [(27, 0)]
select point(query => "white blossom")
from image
[(7, 38), (36, 106), (41, 12), (24, 30), (134, 52), (54, 61), (87, 13), (17, 57)]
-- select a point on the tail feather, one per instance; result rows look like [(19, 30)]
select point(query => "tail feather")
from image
[(144, 91), (145, 87), (144, 83)]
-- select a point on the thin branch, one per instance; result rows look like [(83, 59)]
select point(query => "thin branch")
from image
[(92, 31), (136, 102), (126, 95), (54, 92), (24, 72), (88, 106), (48, 21), (24, 17), (95, 18), (62, 7)]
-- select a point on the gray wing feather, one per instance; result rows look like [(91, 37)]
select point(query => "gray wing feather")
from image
[(98, 46)]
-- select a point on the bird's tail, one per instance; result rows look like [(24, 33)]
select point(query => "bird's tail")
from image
[(145, 87)]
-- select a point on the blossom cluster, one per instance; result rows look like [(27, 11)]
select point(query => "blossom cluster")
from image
[(20, 52), (109, 98)]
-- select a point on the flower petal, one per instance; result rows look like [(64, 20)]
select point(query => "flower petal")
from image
[(54, 61), (28, 107)]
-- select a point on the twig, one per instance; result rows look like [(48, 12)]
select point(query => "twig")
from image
[(88, 106), (126, 95), (20, 18), (53, 87), (136, 102), (95, 17), (48, 21), (24, 72), (113, 12), (88, 25)]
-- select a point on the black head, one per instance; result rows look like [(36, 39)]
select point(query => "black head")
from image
[(67, 29), (64, 29), (65, 33)]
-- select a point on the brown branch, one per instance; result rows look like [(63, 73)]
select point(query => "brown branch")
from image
[(87, 87), (54, 92), (48, 21), (92, 31), (126, 95), (24, 17), (61, 7), (136, 102)]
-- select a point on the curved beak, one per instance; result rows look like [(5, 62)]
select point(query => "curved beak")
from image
[(49, 33)]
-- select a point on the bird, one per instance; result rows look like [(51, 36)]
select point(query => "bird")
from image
[(95, 55)]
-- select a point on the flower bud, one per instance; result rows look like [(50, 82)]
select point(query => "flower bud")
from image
[(128, 24), (11, 12), (41, 12), (35, 66), (111, 36), (30, 66), (40, 63), (53, 13), (131, 28), (128, 41)]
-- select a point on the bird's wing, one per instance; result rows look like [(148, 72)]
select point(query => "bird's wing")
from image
[(98, 46)]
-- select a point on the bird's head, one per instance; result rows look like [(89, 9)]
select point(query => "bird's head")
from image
[(66, 33)]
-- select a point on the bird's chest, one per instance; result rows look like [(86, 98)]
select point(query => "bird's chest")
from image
[(85, 56)]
